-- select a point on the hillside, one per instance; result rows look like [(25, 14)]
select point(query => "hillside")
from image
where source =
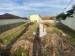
[(10, 16)]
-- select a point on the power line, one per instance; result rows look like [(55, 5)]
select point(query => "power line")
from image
[(68, 5)]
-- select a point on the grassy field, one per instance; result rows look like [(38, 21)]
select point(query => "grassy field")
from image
[(53, 43), (7, 36), (58, 39), (69, 32), (23, 46)]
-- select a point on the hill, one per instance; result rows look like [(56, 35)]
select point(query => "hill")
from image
[(10, 16)]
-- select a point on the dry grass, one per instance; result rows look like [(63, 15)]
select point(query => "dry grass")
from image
[(68, 31), (56, 42), (25, 42)]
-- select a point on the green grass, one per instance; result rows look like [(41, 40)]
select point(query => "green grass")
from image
[(72, 37), (21, 52), (7, 36)]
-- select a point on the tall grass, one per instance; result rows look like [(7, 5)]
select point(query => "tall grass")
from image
[(21, 52), (7, 36)]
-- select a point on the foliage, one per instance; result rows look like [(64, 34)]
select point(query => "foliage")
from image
[(21, 52), (61, 16), (7, 36)]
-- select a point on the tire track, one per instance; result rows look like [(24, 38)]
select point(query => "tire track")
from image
[(37, 45)]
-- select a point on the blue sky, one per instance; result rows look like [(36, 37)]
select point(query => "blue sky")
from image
[(28, 7)]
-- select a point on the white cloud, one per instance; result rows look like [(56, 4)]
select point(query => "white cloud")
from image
[(39, 6)]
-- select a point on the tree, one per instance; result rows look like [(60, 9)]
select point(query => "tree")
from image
[(61, 16)]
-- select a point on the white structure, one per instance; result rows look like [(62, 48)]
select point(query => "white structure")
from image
[(38, 19), (42, 30), (70, 22), (34, 18)]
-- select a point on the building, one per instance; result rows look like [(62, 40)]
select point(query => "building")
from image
[(35, 18)]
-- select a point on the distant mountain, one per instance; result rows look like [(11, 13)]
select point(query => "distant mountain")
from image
[(10, 16)]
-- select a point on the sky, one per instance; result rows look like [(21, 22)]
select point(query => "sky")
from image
[(25, 8)]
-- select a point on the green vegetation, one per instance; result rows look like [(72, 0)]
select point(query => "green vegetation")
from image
[(69, 32), (72, 36), (61, 16), (7, 36), (21, 52), (24, 48)]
